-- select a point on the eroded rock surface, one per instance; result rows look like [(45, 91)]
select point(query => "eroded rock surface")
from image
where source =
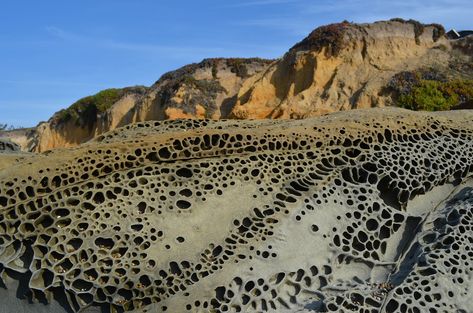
[(341, 67), (365, 211), (7, 146), (336, 67), (202, 90)]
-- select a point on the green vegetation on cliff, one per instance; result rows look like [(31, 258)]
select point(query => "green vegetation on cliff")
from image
[(84, 111), (330, 37), (428, 96), (429, 90)]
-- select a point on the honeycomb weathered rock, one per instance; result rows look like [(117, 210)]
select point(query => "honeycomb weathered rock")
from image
[(7, 146), (366, 211)]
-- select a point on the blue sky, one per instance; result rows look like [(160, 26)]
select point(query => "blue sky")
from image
[(53, 52)]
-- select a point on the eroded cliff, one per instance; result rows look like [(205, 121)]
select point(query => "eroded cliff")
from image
[(204, 90), (340, 67), (337, 67)]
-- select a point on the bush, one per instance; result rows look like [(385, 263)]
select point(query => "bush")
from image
[(214, 70), (429, 90), (197, 91), (210, 87), (464, 45), (460, 88), (238, 67), (428, 96), (330, 36), (403, 82), (439, 31), (84, 111)]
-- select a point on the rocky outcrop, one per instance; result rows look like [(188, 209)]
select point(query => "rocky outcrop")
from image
[(19, 136), (204, 90), (360, 211), (340, 67), (10, 152), (77, 124), (337, 67), (7, 146)]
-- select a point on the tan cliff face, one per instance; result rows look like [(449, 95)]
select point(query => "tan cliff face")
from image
[(69, 133), (204, 90), (312, 80), (337, 67)]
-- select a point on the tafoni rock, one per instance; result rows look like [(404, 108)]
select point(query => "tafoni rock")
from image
[(7, 146), (357, 211)]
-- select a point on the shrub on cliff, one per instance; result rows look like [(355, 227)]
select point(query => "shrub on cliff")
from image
[(461, 88), (197, 91), (428, 96), (429, 90), (330, 37), (238, 67), (84, 111)]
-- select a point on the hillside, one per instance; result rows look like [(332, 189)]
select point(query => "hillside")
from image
[(337, 67), (203, 90), (340, 67)]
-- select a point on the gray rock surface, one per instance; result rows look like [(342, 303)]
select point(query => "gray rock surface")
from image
[(7, 146), (364, 211)]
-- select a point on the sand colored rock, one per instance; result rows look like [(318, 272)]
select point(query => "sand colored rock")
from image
[(337, 67), (312, 80), (10, 153), (18, 136), (56, 133), (203, 90), (367, 210)]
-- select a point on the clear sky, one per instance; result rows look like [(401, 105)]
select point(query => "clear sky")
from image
[(53, 52)]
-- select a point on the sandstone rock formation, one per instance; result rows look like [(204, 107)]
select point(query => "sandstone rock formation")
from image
[(204, 90), (340, 67), (10, 153), (19, 136), (337, 67), (365, 211)]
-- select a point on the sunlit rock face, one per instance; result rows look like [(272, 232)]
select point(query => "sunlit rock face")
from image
[(200, 90), (365, 211), (337, 67)]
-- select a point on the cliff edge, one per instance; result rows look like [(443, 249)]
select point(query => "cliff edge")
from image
[(337, 67)]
